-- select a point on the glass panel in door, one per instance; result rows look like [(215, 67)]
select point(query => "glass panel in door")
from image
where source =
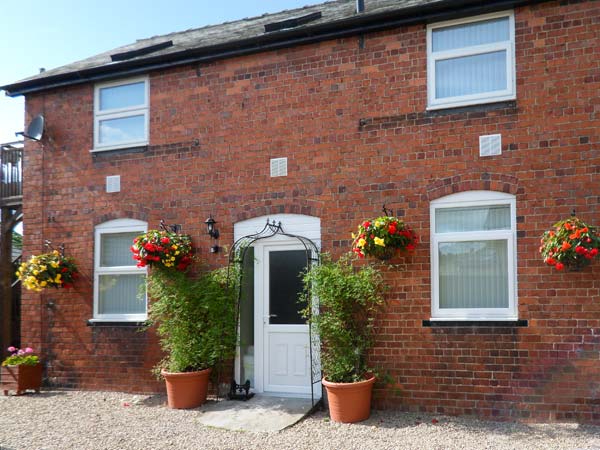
[(285, 286)]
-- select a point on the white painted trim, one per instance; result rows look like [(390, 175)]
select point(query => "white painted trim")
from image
[(116, 226), (137, 110), (258, 314), (298, 224), (122, 223), (113, 320), (488, 97), (464, 199), (474, 197)]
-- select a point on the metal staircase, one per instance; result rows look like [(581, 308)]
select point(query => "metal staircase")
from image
[(11, 214)]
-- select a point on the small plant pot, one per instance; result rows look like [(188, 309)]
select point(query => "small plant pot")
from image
[(186, 390), (349, 402), (21, 378)]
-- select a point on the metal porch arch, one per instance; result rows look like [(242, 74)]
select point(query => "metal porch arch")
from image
[(237, 256)]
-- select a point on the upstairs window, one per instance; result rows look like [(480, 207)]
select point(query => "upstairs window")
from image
[(471, 61), (121, 114), (473, 239), (117, 279)]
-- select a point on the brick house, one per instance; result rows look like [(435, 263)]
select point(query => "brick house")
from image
[(480, 117)]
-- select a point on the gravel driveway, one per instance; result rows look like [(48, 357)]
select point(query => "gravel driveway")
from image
[(101, 420)]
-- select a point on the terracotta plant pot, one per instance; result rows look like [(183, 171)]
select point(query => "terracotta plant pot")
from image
[(21, 378), (186, 390), (349, 402)]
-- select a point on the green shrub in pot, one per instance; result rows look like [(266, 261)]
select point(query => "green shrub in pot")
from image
[(348, 298)]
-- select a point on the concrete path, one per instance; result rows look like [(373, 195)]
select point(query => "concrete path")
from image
[(259, 414)]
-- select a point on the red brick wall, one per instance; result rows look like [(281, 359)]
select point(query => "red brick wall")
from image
[(354, 126)]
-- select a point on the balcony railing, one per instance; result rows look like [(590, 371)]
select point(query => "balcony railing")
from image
[(11, 173)]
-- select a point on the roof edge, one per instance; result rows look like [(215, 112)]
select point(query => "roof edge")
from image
[(356, 25)]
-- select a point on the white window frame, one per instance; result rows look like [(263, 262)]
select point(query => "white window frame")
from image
[(467, 199), (472, 99), (110, 227), (119, 113)]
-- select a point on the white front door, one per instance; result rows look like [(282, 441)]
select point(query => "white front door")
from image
[(279, 326)]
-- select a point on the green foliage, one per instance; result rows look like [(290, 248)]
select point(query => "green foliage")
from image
[(195, 318), (348, 300), (17, 240)]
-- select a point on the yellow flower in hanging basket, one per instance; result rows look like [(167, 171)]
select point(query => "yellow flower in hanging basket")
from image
[(381, 237), (47, 270)]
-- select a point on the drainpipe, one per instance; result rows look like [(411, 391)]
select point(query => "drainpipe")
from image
[(360, 8)]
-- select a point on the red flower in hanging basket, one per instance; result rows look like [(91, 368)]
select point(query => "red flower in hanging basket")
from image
[(382, 237), (163, 249), (571, 244)]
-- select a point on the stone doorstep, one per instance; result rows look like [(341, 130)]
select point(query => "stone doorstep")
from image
[(259, 414)]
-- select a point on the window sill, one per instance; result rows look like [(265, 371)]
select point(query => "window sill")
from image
[(426, 118), (115, 323), (483, 107), (472, 103), (137, 148), (474, 323)]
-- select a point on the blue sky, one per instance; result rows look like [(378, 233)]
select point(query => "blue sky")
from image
[(51, 33)]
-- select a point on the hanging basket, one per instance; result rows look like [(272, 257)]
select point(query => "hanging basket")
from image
[(382, 237), (571, 245), (47, 270), (384, 253), (164, 249)]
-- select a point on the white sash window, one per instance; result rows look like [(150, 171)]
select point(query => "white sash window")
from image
[(117, 279), (121, 114), (471, 61), (473, 239)]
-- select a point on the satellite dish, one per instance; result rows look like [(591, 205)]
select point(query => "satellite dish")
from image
[(35, 130)]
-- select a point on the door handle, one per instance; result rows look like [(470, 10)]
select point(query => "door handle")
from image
[(266, 318)]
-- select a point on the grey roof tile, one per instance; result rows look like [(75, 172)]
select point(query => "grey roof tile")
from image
[(229, 32)]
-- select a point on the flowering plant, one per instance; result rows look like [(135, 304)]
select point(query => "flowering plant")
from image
[(21, 357), (382, 236), (47, 270), (163, 249), (571, 244)]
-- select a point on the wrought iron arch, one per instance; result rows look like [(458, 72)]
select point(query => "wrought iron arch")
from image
[(236, 257)]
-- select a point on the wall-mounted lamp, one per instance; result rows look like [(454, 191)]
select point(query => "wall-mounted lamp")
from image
[(210, 226), (212, 232)]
